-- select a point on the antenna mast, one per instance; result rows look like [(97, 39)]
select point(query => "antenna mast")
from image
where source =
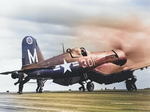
[(63, 47)]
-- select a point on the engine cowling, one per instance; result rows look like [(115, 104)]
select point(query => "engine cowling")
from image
[(122, 59)]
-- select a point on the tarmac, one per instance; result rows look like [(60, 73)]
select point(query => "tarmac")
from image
[(74, 101)]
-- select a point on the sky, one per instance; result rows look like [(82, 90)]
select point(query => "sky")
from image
[(96, 25)]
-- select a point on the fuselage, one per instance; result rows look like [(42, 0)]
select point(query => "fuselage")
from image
[(72, 64)]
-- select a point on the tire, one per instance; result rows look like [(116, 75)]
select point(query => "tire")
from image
[(128, 86), (90, 86), (41, 90), (134, 87), (131, 85)]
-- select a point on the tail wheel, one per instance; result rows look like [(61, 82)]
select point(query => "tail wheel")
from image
[(14, 75), (90, 86)]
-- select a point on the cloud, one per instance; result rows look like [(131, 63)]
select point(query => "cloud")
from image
[(76, 23), (131, 36)]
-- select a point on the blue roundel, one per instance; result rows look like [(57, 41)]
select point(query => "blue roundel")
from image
[(29, 40)]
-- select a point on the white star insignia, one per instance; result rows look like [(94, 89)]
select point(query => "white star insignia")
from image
[(66, 66)]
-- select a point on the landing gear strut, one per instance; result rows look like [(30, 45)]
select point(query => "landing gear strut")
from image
[(130, 84), (82, 88), (40, 85)]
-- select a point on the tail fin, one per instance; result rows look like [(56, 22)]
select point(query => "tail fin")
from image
[(31, 52)]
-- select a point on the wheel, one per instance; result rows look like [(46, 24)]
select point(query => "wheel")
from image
[(130, 86), (41, 90), (90, 86), (134, 88)]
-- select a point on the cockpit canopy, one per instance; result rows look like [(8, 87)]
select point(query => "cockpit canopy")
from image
[(78, 52)]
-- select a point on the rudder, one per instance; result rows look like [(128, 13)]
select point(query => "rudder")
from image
[(31, 52)]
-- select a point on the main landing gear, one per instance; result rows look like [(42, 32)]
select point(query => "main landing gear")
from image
[(89, 86), (40, 85), (82, 88), (130, 84)]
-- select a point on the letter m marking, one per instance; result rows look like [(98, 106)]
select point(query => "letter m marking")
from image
[(32, 58)]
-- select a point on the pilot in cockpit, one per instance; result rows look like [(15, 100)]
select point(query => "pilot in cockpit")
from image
[(83, 51)]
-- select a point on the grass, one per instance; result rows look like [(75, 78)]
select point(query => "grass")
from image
[(97, 101)]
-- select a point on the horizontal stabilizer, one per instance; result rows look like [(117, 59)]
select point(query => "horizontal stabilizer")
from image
[(26, 70), (6, 73)]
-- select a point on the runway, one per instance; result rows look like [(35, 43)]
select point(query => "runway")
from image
[(97, 101), (8, 103)]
